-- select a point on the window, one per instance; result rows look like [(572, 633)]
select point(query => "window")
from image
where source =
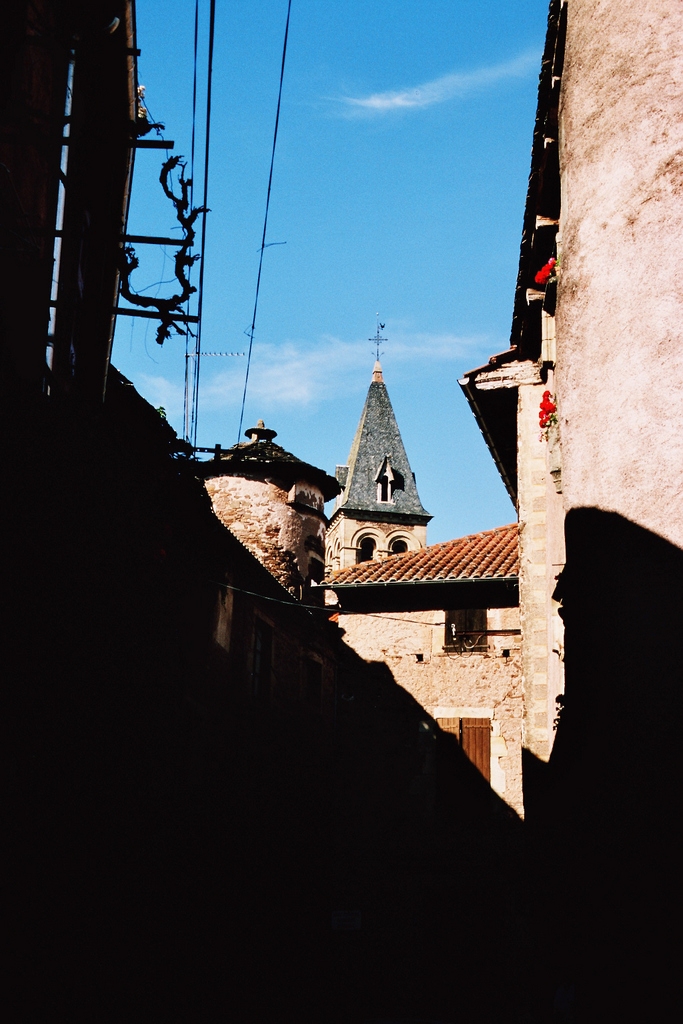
[(474, 736), (366, 550), (388, 480), (316, 569), (466, 630), (313, 683), (262, 659), (398, 547)]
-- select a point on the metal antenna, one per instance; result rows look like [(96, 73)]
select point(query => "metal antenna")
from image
[(378, 339)]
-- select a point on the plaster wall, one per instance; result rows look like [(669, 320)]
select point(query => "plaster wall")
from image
[(620, 297), (260, 514), (448, 684)]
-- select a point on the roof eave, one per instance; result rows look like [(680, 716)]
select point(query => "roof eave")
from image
[(525, 339), (380, 515), (331, 585), (428, 595), (488, 432), (293, 470)]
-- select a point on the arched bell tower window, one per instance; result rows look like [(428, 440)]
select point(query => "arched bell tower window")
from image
[(366, 550), (388, 480), (398, 547)]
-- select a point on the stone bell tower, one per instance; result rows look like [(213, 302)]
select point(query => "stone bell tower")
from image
[(378, 512)]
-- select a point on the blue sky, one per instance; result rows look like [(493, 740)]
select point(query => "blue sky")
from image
[(399, 185)]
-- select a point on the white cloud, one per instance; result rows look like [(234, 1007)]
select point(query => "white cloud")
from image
[(296, 374), (447, 87), (159, 390)]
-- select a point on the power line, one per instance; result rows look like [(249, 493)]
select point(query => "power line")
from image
[(198, 342), (332, 609), (265, 224), (186, 400), (194, 98)]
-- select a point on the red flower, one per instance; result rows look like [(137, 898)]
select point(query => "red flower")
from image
[(547, 404), (543, 275), (547, 411)]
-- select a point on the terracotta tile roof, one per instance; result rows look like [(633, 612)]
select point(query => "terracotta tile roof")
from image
[(492, 554)]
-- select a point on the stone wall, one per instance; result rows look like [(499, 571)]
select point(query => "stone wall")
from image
[(345, 534), (448, 684), (541, 556), (288, 540), (541, 543)]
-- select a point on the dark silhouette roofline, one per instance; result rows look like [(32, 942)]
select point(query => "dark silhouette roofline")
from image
[(251, 457)]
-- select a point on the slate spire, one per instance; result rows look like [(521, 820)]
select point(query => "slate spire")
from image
[(378, 478)]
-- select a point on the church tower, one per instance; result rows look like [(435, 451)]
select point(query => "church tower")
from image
[(378, 512)]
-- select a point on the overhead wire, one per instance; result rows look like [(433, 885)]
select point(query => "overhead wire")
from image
[(194, 100), (265, 223), (188, 333), (328, 609), (205, 196)]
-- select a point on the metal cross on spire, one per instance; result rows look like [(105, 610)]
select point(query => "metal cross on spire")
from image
[(378, 339)]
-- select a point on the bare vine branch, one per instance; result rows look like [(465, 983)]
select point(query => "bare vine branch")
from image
[(169, 309)]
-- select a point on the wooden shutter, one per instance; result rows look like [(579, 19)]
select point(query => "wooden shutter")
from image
[(466, 630), (475, 739), (474, 736)]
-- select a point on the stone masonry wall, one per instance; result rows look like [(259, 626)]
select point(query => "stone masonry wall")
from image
[(283, 538), (555, 560), (533, 576), (448, 684), (344, 534)]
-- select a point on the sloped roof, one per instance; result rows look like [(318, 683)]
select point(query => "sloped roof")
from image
[(495, 410), (253, 456), (492, 554), (378, 438)]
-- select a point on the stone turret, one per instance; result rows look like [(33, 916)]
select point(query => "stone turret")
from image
[(379, 511), (274, 503)]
